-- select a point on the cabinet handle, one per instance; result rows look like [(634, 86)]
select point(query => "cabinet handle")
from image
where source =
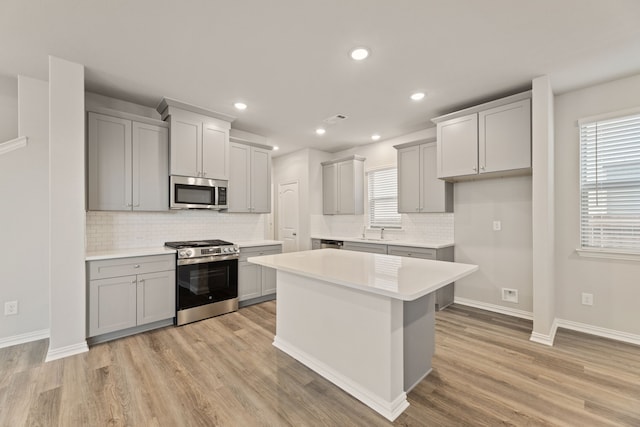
[(141, 281), (133, 282), (204, 174), (136, 266), (475, 169), (482, 167), (128, 205)]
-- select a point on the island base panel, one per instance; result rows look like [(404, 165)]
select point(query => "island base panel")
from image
[(352, 338)]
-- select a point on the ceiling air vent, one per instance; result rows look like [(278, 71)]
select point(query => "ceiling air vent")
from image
[(335, 119)]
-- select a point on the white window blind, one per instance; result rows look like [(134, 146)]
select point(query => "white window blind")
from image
[(610, 184), (383, 198)]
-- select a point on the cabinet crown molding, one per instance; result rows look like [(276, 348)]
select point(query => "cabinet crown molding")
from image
[(344, 159), (419, 142), (482, 107), (166, 103)]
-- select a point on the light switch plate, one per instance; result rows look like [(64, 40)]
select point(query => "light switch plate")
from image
[(497, 225)]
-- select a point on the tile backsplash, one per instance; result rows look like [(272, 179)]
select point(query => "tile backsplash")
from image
[(434, 227), (124, 230)]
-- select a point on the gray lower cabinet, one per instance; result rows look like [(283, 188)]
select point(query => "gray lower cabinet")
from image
[(256, 283), (374, 248), (129, 292), (444, 296)]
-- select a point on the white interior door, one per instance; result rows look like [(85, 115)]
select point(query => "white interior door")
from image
[(288, 214)]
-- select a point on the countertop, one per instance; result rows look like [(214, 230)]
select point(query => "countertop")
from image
[(410, 243), (163, 250), (397, 277)]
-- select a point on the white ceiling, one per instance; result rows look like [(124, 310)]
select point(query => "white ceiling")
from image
[(288, 59)]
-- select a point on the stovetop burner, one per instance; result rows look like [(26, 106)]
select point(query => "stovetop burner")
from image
[(197, 243)]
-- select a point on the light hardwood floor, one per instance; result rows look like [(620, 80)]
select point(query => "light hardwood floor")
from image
[(224, 371)]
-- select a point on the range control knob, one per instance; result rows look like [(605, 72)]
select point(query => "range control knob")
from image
[(189, 252), (181, 254)]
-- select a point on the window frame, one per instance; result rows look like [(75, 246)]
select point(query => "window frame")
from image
[(609, 252), (367, 212)]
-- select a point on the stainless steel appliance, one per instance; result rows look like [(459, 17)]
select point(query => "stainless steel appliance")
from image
[(197, 193), (206, 279), (334, 244)]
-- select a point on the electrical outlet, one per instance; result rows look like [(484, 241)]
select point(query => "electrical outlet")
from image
[(587, 299), (497, 225), (10, 308), (510, 295)]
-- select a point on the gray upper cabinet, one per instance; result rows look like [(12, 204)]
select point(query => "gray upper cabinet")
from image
[(419, 189), (199, 143), (492, 139), (249, 178), (343, 186), (127, 163)]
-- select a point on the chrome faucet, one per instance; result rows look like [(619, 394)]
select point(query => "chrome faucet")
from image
[(382, 233), (364, 230)]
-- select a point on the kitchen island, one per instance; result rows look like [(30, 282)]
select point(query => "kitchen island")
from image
[(365, 322)]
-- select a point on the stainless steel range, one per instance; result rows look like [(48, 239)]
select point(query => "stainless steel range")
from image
[(206, 279)]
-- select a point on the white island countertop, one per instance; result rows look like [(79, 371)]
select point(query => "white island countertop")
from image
[(397, 277)]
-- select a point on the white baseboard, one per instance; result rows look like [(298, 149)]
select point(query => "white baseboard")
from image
[(598, 331), (546, 339), (388, 409), (67, 351), (23, 338), (494, 308)]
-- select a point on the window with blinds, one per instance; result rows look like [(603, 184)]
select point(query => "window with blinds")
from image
[(610, 184), (383, 198)]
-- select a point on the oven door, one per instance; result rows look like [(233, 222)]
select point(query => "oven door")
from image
[(200, 283)]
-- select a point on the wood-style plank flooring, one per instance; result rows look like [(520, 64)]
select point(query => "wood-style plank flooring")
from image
[(225, 372)]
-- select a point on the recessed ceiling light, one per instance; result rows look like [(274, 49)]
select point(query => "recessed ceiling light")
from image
[(417, 96), (240, 105), (375, 137), (276, 148), (359, 53), (320, 131)]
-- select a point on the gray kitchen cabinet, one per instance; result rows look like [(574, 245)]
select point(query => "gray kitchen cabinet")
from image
[(419, 189), (128, 292), (492, 139), (444, 295), (127, 163), (375, 248), (343, 186), (199, 143), (249, 179), (256, 283)]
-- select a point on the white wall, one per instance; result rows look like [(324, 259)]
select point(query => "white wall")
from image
[(24, 173), (614, 284), (504, 257), (8, 108), (67, 307)]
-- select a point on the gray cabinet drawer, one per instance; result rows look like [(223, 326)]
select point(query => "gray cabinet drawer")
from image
[(414, 252), (259, 251), (375, 248), (118, 267)]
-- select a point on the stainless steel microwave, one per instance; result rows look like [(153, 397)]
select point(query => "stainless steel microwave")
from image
[(197, 193)]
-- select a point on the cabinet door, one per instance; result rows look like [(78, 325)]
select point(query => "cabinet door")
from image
[(215, 152), (156, 296), (458, 146), (436, 195), (268, 281), (412, 252), (346, 187), (239, 178), (330, 189), (112, 304), (373, 248), (260, 180), (249, 281), (185, 146), (409, 179), (150, 167), (109, 156), (505, 137)]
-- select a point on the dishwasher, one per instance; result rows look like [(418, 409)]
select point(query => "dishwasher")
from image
[(332, 244)]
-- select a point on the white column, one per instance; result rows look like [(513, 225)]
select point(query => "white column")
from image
[(66, 209), (544, 293)]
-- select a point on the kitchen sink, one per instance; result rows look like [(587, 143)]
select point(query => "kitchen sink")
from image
[(371, 239)]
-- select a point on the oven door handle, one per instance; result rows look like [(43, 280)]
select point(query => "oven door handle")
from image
[(206, 259)]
